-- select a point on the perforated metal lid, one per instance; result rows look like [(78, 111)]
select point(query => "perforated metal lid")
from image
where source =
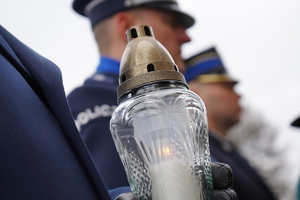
[(145, 60)]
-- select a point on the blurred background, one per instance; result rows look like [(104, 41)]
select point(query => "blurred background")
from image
[(259, 42)]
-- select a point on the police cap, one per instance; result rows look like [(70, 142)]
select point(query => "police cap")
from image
[(97, 10), (207, 67)]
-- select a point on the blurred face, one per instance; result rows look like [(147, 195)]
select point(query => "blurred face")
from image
[(167, 31), (222, 103)]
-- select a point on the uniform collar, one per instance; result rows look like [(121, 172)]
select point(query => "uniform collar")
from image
[(224, 144), (108, 65)]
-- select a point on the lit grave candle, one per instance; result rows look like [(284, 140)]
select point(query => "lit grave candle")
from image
[(160, 126)]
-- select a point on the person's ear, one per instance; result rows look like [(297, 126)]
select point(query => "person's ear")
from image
[(124, 21)]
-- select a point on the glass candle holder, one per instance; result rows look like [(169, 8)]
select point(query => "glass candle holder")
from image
[(160, 126)]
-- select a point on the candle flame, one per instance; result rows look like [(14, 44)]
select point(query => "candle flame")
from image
[(167, 151)]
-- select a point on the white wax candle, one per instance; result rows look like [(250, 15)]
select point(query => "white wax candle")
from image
[(174, 181)]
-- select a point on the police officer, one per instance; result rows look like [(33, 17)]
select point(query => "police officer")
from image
[(207, 77), (296, 123), (93, 103)]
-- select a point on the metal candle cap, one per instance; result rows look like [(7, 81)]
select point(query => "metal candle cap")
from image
[(145, 61)]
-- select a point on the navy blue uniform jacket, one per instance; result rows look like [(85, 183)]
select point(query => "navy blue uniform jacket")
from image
[(92, 106), (42, 155), (247, 183)]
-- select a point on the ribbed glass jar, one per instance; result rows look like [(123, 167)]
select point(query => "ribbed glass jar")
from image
[(161, 134)]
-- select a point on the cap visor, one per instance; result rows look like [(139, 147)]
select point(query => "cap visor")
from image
[(183, 18), (216, 78)]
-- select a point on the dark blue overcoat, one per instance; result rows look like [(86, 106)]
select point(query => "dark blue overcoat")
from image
[(42, 155)]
